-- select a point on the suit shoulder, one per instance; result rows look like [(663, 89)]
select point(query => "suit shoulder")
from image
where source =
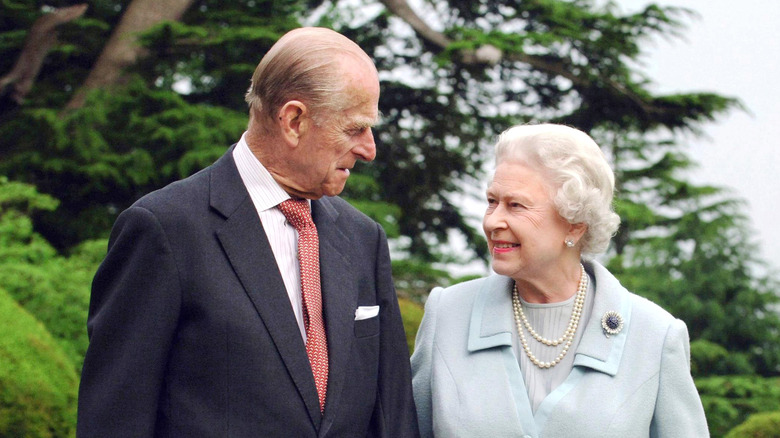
[(172, 197)]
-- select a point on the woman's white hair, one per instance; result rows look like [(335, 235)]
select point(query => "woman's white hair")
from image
[(581, 182)]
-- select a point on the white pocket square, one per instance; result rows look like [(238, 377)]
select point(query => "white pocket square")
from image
[(365, 312)]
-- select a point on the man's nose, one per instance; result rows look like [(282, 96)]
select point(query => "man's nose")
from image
[(366, 149)]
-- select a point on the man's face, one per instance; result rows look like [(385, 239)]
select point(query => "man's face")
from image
[(332, 145)]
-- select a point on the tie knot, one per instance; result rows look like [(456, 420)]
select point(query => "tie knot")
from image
[(297, 212)]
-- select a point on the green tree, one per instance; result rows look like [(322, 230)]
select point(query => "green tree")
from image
[(688, 248)]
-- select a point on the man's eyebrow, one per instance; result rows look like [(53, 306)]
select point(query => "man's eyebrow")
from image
[(368, 122)]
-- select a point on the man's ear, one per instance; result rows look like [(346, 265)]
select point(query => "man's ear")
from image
[(293, 120)]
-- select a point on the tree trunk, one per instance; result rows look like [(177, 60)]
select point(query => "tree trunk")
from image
[(42, 37), (490, 55), (122, 50)]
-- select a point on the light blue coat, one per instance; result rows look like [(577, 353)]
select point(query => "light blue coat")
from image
[(468, 382)]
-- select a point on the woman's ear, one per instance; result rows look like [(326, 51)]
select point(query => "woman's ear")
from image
[(293, 121), (576, 231)]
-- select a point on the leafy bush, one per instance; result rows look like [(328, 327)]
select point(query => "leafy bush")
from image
[(762, 425), (412, 314), (711, 359), (53, 288), (38, 385), (730, 400)]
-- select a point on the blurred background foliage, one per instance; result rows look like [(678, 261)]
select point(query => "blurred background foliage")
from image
[(93, 116)]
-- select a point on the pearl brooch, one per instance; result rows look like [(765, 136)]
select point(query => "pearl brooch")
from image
[(568, 335), (612, 323)]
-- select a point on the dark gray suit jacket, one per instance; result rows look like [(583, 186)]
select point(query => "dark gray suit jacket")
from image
[(192, 333)]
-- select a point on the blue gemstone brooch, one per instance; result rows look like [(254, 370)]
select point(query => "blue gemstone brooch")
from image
[(612, 323)]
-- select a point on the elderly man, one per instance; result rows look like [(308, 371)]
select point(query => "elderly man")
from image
[(247, 300)]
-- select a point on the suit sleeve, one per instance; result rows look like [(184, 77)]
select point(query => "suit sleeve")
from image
[(422, 363), (678, 409), (133, 314), (395, 415)]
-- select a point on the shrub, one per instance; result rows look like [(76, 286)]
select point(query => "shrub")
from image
[(412, 314), (709, 359), (730, 400), (762, 425), (50, 286), (38, 384)]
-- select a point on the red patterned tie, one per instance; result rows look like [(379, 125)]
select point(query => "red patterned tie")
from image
[(298, 214)]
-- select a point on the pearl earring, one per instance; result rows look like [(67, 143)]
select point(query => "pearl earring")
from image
[(569, 243)]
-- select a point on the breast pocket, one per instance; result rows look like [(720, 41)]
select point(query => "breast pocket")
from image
[(367, 327)]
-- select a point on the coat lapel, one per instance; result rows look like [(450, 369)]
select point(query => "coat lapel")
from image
[(491, 326), (597, 351), (339, 298), (246, 246), (491, 318)]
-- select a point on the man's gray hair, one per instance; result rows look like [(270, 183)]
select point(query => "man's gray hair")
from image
[(303, 65)]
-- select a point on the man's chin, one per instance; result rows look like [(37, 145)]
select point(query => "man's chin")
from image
[(334, 189)]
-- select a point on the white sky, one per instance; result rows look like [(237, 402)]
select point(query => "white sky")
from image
[(731, 49)]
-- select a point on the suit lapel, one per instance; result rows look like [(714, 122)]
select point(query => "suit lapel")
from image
[(339, 298), (246, 246)]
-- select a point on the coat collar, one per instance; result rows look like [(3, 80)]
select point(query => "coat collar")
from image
[(596, 350), (492, 321)]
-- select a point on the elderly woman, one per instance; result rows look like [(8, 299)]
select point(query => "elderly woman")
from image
[(553, 345)]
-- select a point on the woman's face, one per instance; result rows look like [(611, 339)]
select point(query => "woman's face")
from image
[(524, 231)]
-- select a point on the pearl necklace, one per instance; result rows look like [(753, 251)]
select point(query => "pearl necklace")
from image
[(568, 336)]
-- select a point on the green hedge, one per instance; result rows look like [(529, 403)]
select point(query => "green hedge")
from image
[(711, 359), (38, 384), (412, 314), (763, 425), (730, 400)]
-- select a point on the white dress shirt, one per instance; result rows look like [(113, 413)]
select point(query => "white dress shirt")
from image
[(266, 194)]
